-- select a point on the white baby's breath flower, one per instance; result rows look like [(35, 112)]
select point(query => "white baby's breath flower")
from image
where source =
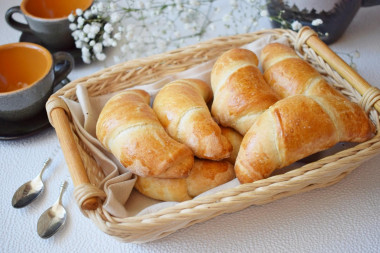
[(317, 22), (97, 48), (108, 28), (100, 57), (86, 59), (73, 27), (86, 28), (87, 14), (71, 17), (91, 35), (80, 22), (296, 25), (117, 36), (85, 51), (264, 13), (94, 10), (79, 12), (115, 17), (92, 43), (100, 7), (81, 35), (78, 44)]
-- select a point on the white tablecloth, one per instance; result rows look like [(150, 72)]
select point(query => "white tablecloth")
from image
[(341, 218)]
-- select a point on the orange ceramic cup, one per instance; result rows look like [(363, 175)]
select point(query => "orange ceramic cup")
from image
[(28, 74), (48, 20)]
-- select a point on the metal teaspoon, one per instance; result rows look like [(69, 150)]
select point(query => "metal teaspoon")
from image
[(29, 191), (53, 218)]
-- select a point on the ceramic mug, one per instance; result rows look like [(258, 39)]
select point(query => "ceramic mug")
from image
[(47, 20), (28, 74)]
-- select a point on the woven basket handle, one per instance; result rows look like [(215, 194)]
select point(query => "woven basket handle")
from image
[(308, 36), (71, 153)]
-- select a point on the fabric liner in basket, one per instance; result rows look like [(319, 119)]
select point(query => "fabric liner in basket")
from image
[(142, 219)]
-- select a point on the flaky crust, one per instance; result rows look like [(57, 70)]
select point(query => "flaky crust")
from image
[(181, 108), (240, 91), (204, 176), (129, 128)]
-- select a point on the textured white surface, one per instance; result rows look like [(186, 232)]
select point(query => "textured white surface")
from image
[(340, 218)]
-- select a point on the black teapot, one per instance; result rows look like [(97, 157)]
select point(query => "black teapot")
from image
[(329, 19)]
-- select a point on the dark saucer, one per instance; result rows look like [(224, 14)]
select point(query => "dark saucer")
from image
[(10, 130), (29, 37)]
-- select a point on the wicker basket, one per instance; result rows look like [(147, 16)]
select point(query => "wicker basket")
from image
[(324, 172)]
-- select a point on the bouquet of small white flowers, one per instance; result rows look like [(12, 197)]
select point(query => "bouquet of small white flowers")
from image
[(137, 27), (96, 29), (141, 27)]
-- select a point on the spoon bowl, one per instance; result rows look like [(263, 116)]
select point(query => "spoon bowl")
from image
[(53, 218), (29, 191)]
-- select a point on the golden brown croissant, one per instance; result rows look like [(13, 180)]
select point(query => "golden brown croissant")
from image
[(294, 128), (204, 176), (128, 128), (298, 125), (235, 139), (240, 91), (182, 110), (289, 75)]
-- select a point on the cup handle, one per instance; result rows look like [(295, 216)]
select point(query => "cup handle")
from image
[(367, 3), (63, 64), (13, 23)]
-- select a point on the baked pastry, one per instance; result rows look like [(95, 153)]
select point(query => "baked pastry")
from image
[(204, 176), (298, 125), (181, 108), (235, 139), (128, 127), (289, 75), (240, 91)]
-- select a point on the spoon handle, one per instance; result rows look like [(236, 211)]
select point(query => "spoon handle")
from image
[(46, 163), (63, 188)]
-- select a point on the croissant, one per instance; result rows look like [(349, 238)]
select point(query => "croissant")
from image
[(294, 128), (240, 91), (181, 108), (289, 75), (312, 117), (204, 176), (129, 128)]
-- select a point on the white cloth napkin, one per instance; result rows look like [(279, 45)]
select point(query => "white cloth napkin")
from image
[(118, 183)]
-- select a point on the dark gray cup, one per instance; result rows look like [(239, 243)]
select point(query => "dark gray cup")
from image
[(24, 103)]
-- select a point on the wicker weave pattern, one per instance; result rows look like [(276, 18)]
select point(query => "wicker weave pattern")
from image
[(321, 173)]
